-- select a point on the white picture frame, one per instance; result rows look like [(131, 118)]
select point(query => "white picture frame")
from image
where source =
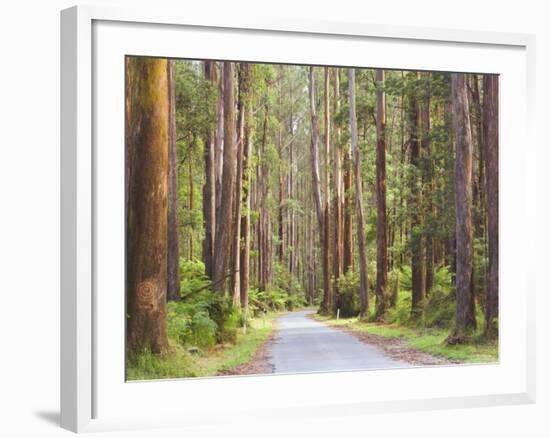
[(88, 389)]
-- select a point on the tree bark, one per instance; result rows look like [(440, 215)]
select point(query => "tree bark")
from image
[(381, 222), (490, 131), (173, 199), (263, 221), (224, 217), (327, 299), (416, 239), (337, 200), (147, 223), (465, 320), (209, 189), (363, 277), (428, 180), (245, 219), (220, 134), (316, 186), (236, 235), (347, 256)]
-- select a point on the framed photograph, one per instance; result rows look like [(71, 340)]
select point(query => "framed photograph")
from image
[(264, 207)]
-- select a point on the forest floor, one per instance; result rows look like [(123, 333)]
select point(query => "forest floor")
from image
[(223, 359), (302, 341), (417, 346)]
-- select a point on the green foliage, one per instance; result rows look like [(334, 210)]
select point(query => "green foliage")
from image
[(180, 363), (273, 300), (265, 301), (348, 285), (152, 366), (202, 317), (401, 312), (286, 288), (192, 277), (438, 307), (429, 340), (405, 279), (443, 278)]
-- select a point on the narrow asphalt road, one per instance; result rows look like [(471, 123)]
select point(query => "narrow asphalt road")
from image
[(304, 345)]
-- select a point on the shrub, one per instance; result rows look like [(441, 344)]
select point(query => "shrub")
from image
[(189, 322), (439, 309), (192, 277), (393, 287), (295, 301), (275, 299), (348, 285), (401, 312)]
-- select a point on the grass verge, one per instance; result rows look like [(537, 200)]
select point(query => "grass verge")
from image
[(181, 363), (428, 340)]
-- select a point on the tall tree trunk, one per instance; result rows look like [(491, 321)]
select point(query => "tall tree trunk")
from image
[(490, 131), (316, 179), (363, 278), (347, 232), (173, 199), (224, 217), (236, 235), (337, 200), (147, 225), (416, 239), (465, 320), (479, 201), (347, 256), (191, 200), (220, 135), (129, 73), (209, 189), (327, 299), (381, 222), (245, 219), (262, 223), (429, 184)]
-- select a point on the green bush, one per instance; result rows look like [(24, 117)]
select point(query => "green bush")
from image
[(295, 301), (443, 279), (348, 285), (232, 320), (274, 300), (439, 309), (203, 318), (189, 321), (405, 279), (401, 312), (192, 277)]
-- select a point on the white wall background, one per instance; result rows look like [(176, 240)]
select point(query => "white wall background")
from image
[(29, 216)]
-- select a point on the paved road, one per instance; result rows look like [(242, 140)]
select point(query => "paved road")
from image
[(304, 345)]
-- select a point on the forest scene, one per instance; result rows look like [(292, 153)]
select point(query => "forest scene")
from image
[(294, 218)]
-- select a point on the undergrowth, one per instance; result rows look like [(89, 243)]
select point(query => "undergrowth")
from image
[(206, 333)]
